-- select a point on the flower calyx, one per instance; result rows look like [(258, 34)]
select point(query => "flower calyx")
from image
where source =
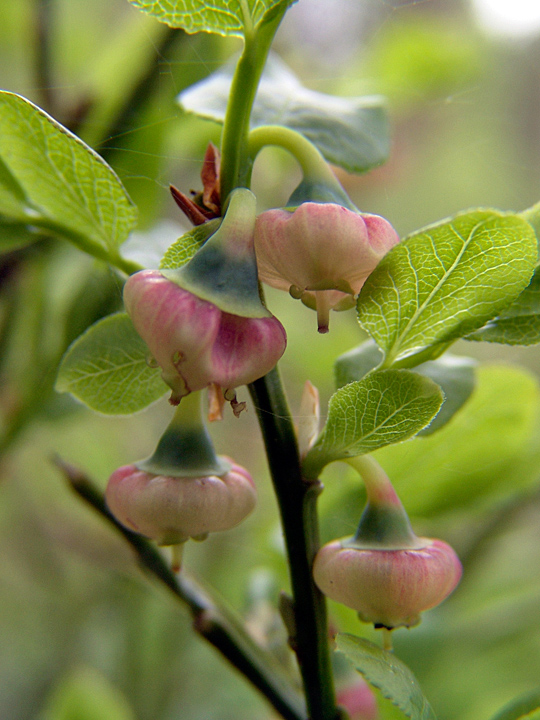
[(224, 270), (204, 323)]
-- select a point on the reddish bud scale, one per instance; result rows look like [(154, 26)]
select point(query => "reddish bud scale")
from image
[(389, 588), (172, 509)]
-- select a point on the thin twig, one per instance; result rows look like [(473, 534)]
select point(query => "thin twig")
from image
[(218, 625)]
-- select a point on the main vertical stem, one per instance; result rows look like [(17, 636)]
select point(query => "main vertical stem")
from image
[(234, 139), (297, 500)]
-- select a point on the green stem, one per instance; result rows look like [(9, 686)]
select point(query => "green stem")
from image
[(314, 166), (234, 139), (297, 499), (217, 624)]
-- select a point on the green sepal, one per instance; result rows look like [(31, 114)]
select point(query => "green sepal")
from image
[(385, 528), (224, 270), (319, 192), (185, 448)]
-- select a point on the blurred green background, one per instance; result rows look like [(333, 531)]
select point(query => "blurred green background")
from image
[(83, 634)]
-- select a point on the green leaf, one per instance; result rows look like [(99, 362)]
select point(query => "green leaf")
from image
[(51, 179), (180, 252), (383, 670), (522, 707), (446, 281), (385, 407), (518, 324), (351, 132), (455, 376), (107, 368), (224, 17), (488, 452)]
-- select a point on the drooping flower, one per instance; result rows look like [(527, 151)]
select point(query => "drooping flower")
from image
[(385, 572), (204, 322), (183, 489), (389, 588), (322, 253), (358, 700), (170, 510), (194, 342)]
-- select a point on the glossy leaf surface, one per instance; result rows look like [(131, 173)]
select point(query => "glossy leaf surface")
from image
[(383, 408), (107, 368), (446, 281), (385, 671), (224, 17)]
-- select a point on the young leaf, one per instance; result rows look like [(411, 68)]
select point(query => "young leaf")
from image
[(523, 707), (455, 376), (383, 408), (518, 324), (351, 132), (446, 281), (107, 369), (186, 246), (383, 670), (488, 452), (49, 178), (224, 17)]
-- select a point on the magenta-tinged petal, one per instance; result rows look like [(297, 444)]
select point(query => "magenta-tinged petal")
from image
[(358, 700), (246, 349), (320, 247), (178, 328), (172, 509), (194, 342)]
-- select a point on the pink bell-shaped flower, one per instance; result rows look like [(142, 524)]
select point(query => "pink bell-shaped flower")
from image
[(194, 342), (358, 700), (183, 489), (385, 572), (322, 253), (171, 510), (204, 322)]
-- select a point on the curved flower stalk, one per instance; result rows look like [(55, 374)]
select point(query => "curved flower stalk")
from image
[(204, 323), (385, 572), (322, 253), (184, 490)]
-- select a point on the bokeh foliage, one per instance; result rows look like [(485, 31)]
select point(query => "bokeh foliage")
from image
[(77, 618)]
